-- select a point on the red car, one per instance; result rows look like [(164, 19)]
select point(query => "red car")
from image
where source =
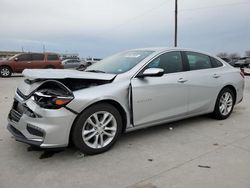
[(19, 62)]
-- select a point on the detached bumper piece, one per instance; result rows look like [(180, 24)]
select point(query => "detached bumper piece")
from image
[(21, 138)]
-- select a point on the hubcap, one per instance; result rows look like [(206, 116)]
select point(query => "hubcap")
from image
[(226, 103), (99, 129), (5, 72)]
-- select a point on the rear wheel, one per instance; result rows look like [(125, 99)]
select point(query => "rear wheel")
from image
[(97, 129), (5, 71), (50, 67), (224, 104)]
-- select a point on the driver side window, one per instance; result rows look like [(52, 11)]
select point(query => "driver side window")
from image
[(24, 57), (170, 62)]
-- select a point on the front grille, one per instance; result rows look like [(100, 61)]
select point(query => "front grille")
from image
[(14, 115)]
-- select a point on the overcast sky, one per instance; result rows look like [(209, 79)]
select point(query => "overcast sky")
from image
[(101, 27)]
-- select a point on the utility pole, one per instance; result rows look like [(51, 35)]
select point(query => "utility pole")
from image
[(175, 29), (43, 48)]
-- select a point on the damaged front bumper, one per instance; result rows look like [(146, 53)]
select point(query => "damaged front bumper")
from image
[(46, 128)]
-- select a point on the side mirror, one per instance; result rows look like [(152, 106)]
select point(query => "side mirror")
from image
[(152, 72), (16, 59)]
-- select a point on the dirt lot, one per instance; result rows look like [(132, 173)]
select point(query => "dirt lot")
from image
[(199, 152)]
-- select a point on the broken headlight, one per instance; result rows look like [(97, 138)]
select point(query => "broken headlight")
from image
[(52, 96)]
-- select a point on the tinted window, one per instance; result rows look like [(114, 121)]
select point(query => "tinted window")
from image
[(215, 62), (171, 62), (24, 57), (53, 57), (198, 61), (37, 57)]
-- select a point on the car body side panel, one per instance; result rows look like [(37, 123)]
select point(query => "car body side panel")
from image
[(203, 88), (118, 92), (158, 98)]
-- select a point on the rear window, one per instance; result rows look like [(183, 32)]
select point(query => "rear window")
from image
[(216, 63), (198, 61), (37, 57), (52, 57)]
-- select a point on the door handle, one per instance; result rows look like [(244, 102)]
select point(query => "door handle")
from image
[(29, 62), (181, 80), (216, 76)]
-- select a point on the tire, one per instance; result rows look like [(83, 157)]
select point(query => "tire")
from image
[(224, 106), (81, 67), (87, 131), (50, 67), (5, 71)]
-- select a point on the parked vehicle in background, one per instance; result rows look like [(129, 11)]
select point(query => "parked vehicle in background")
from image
[(242, 62), (73, 64), (229, 61), (127, 91), (19, 62), (90, 61)]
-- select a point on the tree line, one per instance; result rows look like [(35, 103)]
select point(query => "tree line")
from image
[(232, 55)]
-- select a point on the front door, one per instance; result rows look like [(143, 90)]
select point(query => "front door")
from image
[(156, 99)]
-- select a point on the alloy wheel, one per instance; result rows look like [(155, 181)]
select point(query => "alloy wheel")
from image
[(226, 103), (5, 72), (99, 129)]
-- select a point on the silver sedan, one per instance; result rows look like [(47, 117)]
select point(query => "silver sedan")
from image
[(127, 91)]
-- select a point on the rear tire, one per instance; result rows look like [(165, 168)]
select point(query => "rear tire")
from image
[(97, 129), (50, 67), (224, 104), (5, 71)]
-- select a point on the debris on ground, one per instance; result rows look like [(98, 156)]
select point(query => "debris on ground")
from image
[(80, 155), (170, 128), (215, 144), (150, 160), (204, 166)]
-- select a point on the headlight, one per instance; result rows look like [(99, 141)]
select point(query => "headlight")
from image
[(53, 97)]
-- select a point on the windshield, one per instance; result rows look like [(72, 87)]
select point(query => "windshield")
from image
[(13, 57), (119, 63)]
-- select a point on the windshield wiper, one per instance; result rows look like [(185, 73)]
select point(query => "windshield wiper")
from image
[(97, 71)]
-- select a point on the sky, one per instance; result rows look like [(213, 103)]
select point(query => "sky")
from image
[(99, 28)]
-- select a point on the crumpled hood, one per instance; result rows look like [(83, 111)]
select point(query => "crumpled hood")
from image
[(62, 74)]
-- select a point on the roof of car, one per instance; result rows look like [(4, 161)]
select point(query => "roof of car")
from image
[(162, 49)]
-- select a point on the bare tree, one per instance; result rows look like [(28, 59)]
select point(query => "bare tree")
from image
[(247, 53), (222, 55), (234, 56)]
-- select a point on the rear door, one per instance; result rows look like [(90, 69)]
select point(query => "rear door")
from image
[(156, 99), (37, 61), (53, 61), (204, 82)]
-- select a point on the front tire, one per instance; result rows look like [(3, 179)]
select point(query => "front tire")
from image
[(97, 129), (224, 104), (5, 71)]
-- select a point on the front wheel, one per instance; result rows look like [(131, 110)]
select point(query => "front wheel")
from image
[(5, 71), (97, 129), (224, 104)]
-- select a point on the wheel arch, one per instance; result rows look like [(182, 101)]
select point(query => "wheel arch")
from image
[(7, 66), (231, 87), (112, 102)]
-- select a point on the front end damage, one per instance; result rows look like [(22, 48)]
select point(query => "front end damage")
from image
[(40, 114)]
